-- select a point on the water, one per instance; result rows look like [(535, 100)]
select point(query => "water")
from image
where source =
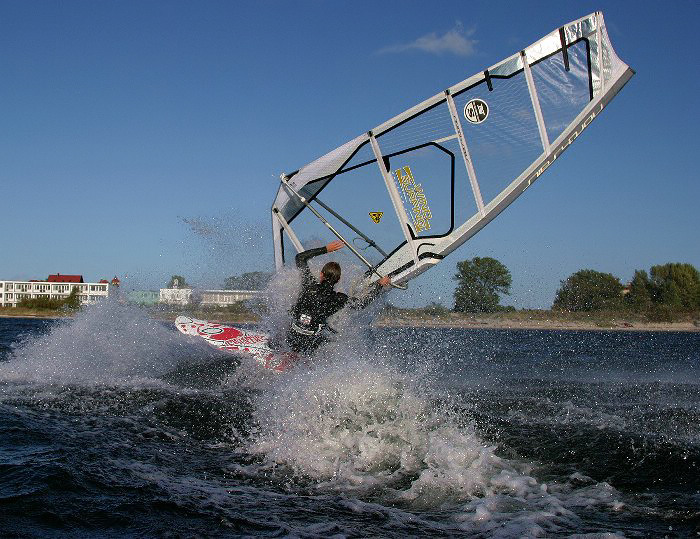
[(113, 424)]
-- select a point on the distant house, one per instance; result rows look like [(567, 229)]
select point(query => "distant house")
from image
[(175, 295), (207, 298), (54, 287)]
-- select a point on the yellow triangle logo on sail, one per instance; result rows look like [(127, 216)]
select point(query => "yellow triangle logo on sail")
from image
[(376, 216)]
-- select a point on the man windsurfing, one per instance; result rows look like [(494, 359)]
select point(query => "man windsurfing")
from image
[(318, 300)]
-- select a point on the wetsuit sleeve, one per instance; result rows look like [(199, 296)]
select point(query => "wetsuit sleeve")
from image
[(361, 303), (302, 261)]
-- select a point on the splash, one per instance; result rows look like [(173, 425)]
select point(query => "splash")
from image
[(109, 342), (361, 425), (356, 425), (220, 246)]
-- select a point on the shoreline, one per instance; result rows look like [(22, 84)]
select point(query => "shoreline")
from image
[(49, 316), (450, 321), (558, 325)]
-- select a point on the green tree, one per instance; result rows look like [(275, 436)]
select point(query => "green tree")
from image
[(181, 283), (480, 281), (41, 303), (254, 280), (589, 290), (72, 302), (640, 294), (676, 285)]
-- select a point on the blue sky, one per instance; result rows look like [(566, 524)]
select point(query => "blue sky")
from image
[(122, 122)]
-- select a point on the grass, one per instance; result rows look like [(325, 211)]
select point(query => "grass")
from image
[(33, 312)]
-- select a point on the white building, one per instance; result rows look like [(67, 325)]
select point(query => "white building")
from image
[(209, 298), (55, 287), (175, 296)]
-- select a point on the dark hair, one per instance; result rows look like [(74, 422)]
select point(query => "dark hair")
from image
[(331, 272)]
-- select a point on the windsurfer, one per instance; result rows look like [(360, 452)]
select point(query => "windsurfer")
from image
[(318, 300)]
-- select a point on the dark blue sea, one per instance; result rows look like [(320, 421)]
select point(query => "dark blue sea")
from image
[(112, 424)]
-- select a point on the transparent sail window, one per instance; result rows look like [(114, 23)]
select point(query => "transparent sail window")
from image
[(503, 138), (356, 203), (563, 94), (428, 126), (424, 180)]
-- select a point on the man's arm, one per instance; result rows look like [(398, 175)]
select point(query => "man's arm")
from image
[(302, 262), (302, 259)]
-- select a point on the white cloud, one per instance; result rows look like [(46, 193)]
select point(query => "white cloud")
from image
[(456, 41)]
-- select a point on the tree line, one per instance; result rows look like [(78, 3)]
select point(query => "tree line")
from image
[(666, 289), (481, 283), (252, 280)]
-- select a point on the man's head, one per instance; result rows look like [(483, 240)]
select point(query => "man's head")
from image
[(330, 273)]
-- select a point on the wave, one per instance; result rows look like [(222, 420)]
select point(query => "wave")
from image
[(367, 426)]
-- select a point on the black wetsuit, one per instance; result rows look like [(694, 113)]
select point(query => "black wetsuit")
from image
[(317, 301)]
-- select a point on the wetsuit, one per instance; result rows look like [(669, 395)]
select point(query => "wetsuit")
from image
[(317, 301)]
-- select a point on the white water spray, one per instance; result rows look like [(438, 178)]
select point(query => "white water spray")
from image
[(109, 342)]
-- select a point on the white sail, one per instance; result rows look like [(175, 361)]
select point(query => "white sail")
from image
[(413, 189)]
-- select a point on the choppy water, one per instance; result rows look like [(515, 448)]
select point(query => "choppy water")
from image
[(113, 424)]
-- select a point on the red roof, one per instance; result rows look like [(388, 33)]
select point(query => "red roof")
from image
[(58, 278), (104, 281)]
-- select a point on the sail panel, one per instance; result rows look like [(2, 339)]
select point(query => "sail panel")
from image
[(366, 211), (431, 124), (361, 157), (312, 178), (424, 178), (563, 94), (505, 142)]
